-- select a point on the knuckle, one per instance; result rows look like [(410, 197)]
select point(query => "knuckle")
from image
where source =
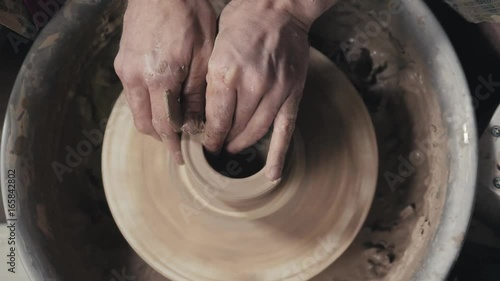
[(214, 67), (161, 67), (126, 72), (152, 81), (157, 72), (128, 75), (220, 73), (117, 64)]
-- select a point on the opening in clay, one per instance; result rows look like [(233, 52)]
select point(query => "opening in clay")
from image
[(237, 166)]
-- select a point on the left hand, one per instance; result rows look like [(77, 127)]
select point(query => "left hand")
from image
[(256, 76)]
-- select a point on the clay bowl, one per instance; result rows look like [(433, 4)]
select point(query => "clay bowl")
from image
[(194, 222), (400, 62)]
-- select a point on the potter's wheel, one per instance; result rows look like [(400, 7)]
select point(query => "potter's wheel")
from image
[(193, 223)]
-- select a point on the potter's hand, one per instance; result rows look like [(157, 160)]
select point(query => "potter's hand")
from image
[(255, 79), (162, 64)]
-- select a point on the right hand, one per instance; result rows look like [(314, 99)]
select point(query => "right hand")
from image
[(162, 63), (256, 77)]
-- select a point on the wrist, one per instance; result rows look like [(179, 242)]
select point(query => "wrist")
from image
[(306, 12)]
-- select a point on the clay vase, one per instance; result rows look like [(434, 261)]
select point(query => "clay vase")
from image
[(194, 222)]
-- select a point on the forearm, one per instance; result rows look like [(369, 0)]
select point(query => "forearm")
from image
[(305, 11)]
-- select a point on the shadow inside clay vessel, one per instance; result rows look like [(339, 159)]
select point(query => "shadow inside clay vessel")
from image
[(238, 166), (244, 164)]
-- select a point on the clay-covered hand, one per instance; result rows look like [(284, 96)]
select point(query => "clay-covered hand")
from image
[(255, 78), (162, 63)]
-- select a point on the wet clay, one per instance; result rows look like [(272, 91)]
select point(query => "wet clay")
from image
[(192, 222), (388, 75), (391, 83)]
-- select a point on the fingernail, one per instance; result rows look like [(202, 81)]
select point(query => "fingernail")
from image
[(274, 173), (178, 158)]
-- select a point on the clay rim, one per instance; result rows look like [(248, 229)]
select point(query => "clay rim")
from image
[(229, 189)]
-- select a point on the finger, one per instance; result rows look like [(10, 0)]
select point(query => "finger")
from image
[(193, 95), (165, 79), (249, 97), (221, 102), (136, 94), (161, 121), (140, 105), (259, 123), (284, 125)]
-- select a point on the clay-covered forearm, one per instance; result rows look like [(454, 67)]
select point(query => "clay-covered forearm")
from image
[(305, 11)]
